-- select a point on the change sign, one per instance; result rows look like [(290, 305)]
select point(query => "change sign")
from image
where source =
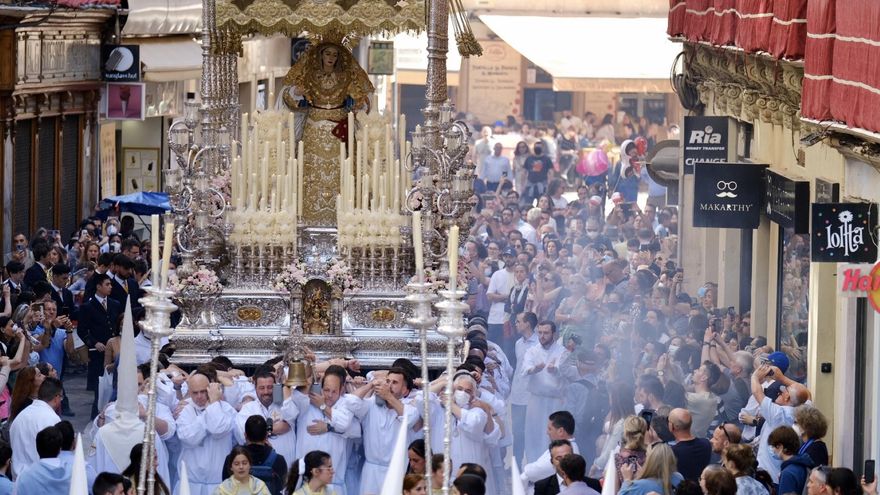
[(705, 141), (728, 195)]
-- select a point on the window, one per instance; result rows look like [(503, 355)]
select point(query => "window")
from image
[(792, 313)]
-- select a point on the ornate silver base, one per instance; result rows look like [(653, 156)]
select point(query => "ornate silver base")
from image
[(252, 326)]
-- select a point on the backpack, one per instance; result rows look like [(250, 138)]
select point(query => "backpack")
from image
[(266, 473)]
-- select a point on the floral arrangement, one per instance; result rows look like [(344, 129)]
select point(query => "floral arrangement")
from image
[(202, 280), (342, 274), (292, 275)]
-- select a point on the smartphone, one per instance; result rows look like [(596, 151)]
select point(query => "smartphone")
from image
[(731, 311), (869, 471), (316, 389), (38, 307), (717, 325), (647, 415), (278, 394), (20, 247)]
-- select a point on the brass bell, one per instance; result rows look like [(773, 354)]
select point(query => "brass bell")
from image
[(296, 374)]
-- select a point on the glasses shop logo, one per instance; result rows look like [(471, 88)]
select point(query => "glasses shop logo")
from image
[(706, 136), (726, 189)]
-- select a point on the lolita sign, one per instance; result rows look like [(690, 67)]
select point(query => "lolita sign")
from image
[(842, 232), (728, 195)]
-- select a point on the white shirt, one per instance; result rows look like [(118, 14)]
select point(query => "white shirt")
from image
[(23, 433), (500, 283), (543, 466), (206, 437), (285, 443), (774, 416), (519, 387), (529, 233), (494, 168), (335, 443), (544, 382)]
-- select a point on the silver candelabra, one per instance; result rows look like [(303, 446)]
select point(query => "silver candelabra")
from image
[(420, 297), (157, 325), (451, 326)]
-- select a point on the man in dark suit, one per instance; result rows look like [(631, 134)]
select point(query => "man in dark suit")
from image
[(551, 484), (60, 293), (104, 262), (98, 321), (124, 284), (39, 270), (15, 271)]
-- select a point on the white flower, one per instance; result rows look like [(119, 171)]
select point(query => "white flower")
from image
[(845, 216)]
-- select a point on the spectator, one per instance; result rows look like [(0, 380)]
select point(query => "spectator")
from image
[(811, 426), (266, 464), (572, 469), (657, 475), (715, 480), (48, 475), (739, 460), (693, 454), (42, 413), (39, 270), (5, 475), (795, 468), (109, 484), (632, 453)]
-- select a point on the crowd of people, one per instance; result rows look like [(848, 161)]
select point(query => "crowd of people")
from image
[(589, 367)]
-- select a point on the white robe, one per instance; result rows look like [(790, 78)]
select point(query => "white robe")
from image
[(336, 443), (23, 433), (469, 440), (545, 397), (206, 437), (143, 347), (380, 427), (285, 443)]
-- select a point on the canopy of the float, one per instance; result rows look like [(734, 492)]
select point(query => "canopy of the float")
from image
[(294, 17)]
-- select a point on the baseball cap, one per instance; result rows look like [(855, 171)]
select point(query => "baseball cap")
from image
[(509, 252), (779, 359)]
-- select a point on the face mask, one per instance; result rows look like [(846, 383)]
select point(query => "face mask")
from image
[(797, 429), (112, 230), (539, 150), (774, 455), (461, 398), (673, 349), (115, 246)]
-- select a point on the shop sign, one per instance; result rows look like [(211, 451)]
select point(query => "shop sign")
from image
[(728, 195), (827, 191), (121, 63), (705, 141), (788, 202), (842, 232), (860, 280)]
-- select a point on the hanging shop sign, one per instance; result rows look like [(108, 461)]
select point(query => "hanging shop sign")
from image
[(728, 195), (121, 63), (842, 233), (706, 140), (788, 202)]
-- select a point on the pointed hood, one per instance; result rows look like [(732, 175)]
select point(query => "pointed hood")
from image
[(126, 430), (517, 483), (397, 466), (184, 479), (79, 484), (624, 158)]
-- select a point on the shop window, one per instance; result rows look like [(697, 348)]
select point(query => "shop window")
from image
[(21, 177), (792, 314), (541, 105), (44, 194)]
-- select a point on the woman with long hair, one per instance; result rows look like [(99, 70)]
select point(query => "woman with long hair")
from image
[(90, 252), (416, 454), (314, 472), (633, 451), (657, 475), (241, 482), (25, 391), (134, 468), (620, 398), (520, 153)]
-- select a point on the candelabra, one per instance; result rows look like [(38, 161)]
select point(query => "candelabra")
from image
[(157, 325), (202, 150), (451, 326), (445, 180), (420, 297)]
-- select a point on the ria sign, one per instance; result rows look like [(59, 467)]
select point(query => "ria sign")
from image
[(706, 141)]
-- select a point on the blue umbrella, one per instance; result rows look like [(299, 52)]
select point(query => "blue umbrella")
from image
[(139, 203)]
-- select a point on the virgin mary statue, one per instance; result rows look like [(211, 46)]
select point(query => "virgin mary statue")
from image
[(325, 84)]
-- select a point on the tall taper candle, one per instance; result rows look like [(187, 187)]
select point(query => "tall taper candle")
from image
[(417, 245), (401, 136), (154, 248), (166, 250), (299, 186), (351, 134), (452, 251)]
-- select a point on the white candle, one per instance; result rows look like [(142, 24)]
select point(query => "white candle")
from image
[(365, 193), (350, 134), (253, 190), (382, 203), (359, 169), (401, 135), (417, 245), (166, 251), (299, 185), (265, 171), (395, 201), (154, 248), (277, 195), (291, 136), (452, 250)]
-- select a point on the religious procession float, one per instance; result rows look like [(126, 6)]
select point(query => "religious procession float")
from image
[(320, 223)]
